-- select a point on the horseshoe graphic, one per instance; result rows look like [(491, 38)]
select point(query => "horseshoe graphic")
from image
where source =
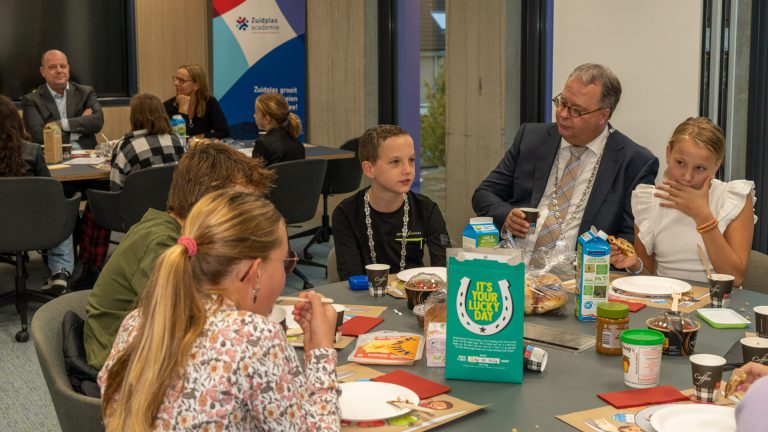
[(496, 326)]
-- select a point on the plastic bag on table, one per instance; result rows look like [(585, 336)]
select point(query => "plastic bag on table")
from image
[(435, 308)]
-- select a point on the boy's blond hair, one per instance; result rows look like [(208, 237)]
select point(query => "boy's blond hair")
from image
[(374, 137)]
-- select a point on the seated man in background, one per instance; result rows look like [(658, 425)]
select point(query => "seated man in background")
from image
[(73, 107), (205, 169), (388, 223)]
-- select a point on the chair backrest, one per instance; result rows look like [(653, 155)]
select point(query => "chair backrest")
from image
[(76, 412), (145, 189), (343, 175), (34, 213), (757, 272), (297, 188)]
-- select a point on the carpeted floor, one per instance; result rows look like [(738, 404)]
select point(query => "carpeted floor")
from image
[(24, 400)]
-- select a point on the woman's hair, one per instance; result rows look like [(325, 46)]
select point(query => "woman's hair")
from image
[(703, 132), (212, 167), (11, 136), (228, 228), (147, 112), (199, 77), (274, 106)]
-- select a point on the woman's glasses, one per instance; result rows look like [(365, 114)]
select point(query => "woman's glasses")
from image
[(289, 263)]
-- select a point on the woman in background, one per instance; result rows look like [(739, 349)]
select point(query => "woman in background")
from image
[(199, 351), (150, 142), (196, 104), (281, 141), (20, 158)]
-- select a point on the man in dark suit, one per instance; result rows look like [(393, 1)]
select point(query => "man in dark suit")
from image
[(72, 106), (607, 166)]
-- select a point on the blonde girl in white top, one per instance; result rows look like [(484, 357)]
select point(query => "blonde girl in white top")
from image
[(691, 207)]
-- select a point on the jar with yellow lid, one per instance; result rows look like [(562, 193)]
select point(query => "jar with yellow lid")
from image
[(612, 319)]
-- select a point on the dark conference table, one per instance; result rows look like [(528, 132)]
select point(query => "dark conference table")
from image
[(570, 382), (88, 172)]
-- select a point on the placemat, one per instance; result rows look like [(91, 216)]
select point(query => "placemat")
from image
[(449, 408), (576, 419)]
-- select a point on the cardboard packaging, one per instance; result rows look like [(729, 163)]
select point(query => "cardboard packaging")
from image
[(593, 266), (52, 145), (484, 339), (480, 232)]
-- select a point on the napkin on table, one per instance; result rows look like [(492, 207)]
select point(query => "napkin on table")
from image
[(633, 306), (358, 325), (640, 397), (421, 386)]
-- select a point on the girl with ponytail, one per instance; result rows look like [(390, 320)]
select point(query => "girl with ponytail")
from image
[(281, 130), (199, 351)]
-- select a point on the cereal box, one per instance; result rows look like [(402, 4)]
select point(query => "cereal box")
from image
[(484, 339), (593, 265)]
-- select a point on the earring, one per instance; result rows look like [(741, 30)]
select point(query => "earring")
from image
[(255, 291)]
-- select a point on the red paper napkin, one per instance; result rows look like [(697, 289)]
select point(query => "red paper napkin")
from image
[(633, 306), (421, 386), (358, 325), (640, 397)]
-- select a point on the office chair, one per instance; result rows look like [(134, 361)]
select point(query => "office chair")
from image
[(35, 215), (295, 195)]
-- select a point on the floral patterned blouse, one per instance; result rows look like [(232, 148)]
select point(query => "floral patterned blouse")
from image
[(243, 375)]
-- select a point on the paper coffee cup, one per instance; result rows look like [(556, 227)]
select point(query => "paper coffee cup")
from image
[(707, 372), (340, 309), (535, 358), (761, 321), (755, 349), (720, 289), (377, 279)]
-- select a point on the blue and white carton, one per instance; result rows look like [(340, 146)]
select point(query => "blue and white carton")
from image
[(593, 267), (480, 232)]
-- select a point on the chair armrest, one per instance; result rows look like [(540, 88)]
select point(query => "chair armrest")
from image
[(105, 206)]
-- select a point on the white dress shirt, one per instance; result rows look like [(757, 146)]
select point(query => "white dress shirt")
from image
[(570, 230), (61, 105)]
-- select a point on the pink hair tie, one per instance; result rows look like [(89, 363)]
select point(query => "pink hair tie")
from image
[(188, 243)]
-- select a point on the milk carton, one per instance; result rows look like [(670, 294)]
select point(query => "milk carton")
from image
[(480, 232), (593, 265)]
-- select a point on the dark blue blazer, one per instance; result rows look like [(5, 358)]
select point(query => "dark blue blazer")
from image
[(521, 177)]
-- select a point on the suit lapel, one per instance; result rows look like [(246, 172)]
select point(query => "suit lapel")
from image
[(545, 157), (612, 159), (47, 99), (73, 100)]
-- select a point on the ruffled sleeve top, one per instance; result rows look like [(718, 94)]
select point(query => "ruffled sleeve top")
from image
[(671, 236)]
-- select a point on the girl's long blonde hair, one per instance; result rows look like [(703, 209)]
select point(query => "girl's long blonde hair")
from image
[(274, 106), (228, 227)]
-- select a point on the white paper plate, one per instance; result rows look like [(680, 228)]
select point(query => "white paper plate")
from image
[(643, 417), (694, 417), (651, 285), (406, 275), (367, 400)]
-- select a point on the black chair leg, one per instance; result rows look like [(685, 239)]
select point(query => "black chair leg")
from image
[(316, 238), (307, 284), (21, 298)]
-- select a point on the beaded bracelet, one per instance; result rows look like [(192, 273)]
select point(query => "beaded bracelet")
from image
[(635, 272), (707, 226)]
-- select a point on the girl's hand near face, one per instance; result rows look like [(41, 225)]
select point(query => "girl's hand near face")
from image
[(692, 202), (317, 320)]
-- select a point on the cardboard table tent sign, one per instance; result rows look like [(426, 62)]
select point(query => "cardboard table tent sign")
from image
[(484, 340)]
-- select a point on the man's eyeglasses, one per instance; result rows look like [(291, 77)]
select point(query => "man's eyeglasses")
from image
[(180, 79), (289, 263), (574, 112)]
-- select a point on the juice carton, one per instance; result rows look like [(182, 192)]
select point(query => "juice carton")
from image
[(486, 303), (593, 265), (480, 232)]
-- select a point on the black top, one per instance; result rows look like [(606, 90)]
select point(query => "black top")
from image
[(213, 125), (277, 145), (425, 224), (34, 161)]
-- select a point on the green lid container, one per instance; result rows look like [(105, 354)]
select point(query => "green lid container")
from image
[(612, 310), (642, 337)]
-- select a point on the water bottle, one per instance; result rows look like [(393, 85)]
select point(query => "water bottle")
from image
[(179, 127)]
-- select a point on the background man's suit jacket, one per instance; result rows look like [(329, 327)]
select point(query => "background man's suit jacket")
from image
[(40, 109), (521, 177)]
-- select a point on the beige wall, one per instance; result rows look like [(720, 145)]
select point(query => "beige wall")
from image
[(654, 48), (482, 78), (168, 33)]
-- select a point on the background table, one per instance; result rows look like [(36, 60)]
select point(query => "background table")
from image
[(570, 382), (79, 172)]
